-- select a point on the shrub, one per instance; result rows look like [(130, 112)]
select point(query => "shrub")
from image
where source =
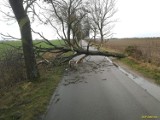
[(11, 67), (134, 52)]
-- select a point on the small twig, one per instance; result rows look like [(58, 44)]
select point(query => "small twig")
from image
[(41, 35), (8, 37)]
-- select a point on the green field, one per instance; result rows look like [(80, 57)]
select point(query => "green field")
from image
[(9, 44), (42, 43), (45, 44)]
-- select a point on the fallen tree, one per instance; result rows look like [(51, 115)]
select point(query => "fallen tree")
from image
[(79, 51), (73, 25), (62, 56)]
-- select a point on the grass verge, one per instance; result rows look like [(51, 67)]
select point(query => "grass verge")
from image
[(146, 69), (29, 100)]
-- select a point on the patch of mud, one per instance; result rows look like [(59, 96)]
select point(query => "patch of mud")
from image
[(77, 75), (74, 80), (96, 67)]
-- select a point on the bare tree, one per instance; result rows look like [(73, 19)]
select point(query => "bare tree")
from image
[(101, 16), (26, 36), (86, 27), (70, 14)]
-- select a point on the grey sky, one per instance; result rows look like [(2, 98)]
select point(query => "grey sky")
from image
[(136, 18)]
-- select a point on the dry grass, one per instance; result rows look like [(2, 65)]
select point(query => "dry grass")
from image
[(143, 54), (150, 47)]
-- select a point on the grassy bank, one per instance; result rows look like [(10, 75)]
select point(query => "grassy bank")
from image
[(29, 100)]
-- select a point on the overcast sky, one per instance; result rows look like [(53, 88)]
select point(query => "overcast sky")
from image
[(136, 18)]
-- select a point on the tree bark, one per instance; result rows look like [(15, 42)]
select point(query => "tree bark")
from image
[(102, 38), (26, 36)]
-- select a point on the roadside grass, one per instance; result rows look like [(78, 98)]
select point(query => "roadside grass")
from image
[(29, 100), (146, 69)]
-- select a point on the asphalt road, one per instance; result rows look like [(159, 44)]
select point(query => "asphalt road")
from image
[(98, 90)]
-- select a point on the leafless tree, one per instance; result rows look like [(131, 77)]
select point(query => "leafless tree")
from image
[(25, 29), (101, 16), (70, 14)]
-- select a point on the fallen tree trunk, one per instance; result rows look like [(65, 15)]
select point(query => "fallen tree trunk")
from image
[(77, 52), (105, 53)]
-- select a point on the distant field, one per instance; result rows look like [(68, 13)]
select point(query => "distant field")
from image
[(144, 43), (44, 44), (7, 44), (150, 47)]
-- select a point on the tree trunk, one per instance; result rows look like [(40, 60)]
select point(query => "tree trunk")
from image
[(102, 39), (95, 33), (26, 36)]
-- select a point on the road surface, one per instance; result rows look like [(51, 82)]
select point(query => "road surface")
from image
[(98, 90)]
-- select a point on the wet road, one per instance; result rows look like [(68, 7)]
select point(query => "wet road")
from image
[(97, 90)]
